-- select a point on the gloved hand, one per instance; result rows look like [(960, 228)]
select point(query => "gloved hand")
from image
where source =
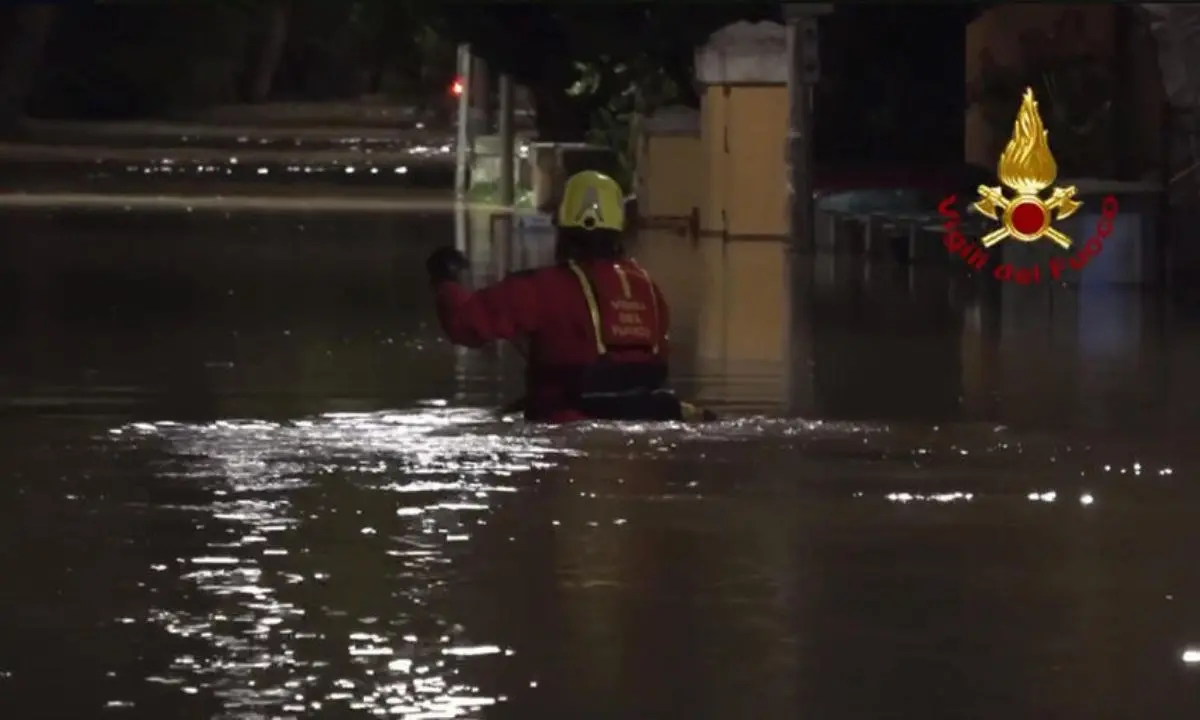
[(446, 263)]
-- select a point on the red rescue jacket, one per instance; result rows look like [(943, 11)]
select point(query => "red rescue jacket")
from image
[(575, 318)]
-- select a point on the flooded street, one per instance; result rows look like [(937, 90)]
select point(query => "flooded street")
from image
[(245, 478)]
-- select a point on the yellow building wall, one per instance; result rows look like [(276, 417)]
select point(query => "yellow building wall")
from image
[(730, 303), (674, 262), (710, 336), (670, 176), (756, 201), (743, 131), (756, 321), (742, 333), (713, 164)]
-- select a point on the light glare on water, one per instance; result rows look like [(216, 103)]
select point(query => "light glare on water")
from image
[(264, 649), (415, 489), (245, 478)]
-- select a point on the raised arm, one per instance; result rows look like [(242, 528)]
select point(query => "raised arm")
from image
[(503, 311)]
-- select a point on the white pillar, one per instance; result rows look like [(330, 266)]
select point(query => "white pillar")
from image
[(462, 151), (507, 142)]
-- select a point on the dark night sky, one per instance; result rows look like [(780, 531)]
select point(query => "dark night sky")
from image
[(895, 82), (892, 88)]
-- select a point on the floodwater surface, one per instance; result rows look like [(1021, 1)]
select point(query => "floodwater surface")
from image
[(245, 478)]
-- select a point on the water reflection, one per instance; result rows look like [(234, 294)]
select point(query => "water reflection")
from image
[(976, 498), (770, 334), (305, 516), (846, 337), (730, 307)]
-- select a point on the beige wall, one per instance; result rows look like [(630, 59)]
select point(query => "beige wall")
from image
[(712, 137), (742, 332), (732, 302), (757, 117), (670, 176), (744, 130)]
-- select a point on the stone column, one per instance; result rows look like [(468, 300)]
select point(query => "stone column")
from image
[(462, 149), (803, 72), (508, 144), (743, 73)]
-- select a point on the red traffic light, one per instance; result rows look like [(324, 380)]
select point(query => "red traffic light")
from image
[(456, 87)]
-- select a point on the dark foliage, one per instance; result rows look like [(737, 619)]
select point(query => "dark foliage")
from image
[(892, 82)]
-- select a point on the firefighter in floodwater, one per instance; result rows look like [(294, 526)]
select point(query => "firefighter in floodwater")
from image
[(594, 323)]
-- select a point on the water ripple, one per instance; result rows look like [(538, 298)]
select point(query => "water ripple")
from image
[(277, 599), (332, 569)]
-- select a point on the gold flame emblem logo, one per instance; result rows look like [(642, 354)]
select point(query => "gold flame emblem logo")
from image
[(1027, 168)]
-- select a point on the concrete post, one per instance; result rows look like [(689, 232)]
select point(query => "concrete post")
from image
[(462, 149), (507, 142), (462, 231), (803, 71), (481, 97)]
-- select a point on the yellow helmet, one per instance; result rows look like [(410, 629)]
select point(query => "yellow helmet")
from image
[(592, 201)]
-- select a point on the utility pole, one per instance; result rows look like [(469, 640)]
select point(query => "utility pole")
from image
[(804, 69), (803, 63), (462, 150), (508, 144), (481, 97)]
